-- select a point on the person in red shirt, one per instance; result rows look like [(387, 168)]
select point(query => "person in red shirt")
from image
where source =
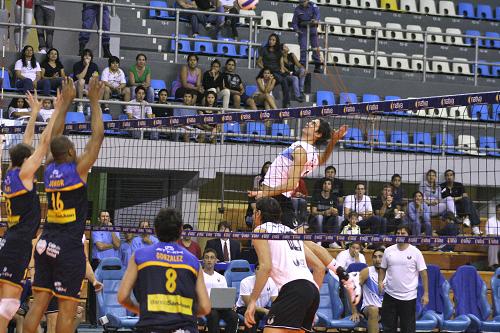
[(299, 201), (189, 244)]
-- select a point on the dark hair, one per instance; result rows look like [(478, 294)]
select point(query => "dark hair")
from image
[(58, 62), (87, 52), (215, 61), (103, 211), (351, 214), (379, 249), (60, 146), (359, 183), (356, 242), (19, 153), (429, 171), (139, 88), (188, 92), (141, 54), (168, 224), (387, 186), (270, 209), (193, 55), (143, 221), (113, 59), (324, 181), (162, 90), (187, 226), (223, 224), (405, 227), (207, 250), (394, 176), (330, 167), (13, 102), (278, 46), (325, 131), (449, 170), (229, 60), (415, 193), (23, 57), (261, 73), (262, 174), (210, 93)]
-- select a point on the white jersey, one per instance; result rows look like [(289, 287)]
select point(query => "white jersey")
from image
[(371, 296), (288, 258), (278, 171)]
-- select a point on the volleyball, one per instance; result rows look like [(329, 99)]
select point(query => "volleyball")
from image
[(248, 4)]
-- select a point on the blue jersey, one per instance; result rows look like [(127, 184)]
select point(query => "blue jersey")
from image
[(22, 207), (166, 286), (67, 202)]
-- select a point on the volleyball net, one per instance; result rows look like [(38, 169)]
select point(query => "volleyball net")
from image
[(204, 165)]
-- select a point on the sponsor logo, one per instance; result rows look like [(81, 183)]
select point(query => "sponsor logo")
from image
[(126, 124), (474, 99), (82, 126), (305, 113), (190, 120), (173, 121), (245, 116), (349, 109), (372, 107), (227, 117), (56, 174), (466, 241), (497, 98), (111, 125), (264, 115), (141, 123), (17, 130), (422, 103), (284, 114), (59, 287), (53, 250), (447, 101), (326, 111), (209, 119), (157, 122)]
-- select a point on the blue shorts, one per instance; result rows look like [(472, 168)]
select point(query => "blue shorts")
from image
[(15, 257)]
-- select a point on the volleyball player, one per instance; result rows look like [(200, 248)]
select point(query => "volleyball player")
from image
[(23, 211), (59, 254), (167, 281)]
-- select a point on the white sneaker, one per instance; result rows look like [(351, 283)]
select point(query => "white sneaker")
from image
[(79, 108), (476, 231), (43, 51), (466, 221), (334, 245)]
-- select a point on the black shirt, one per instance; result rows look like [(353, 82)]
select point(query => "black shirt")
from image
[(161, 112), (79, 66), (232, 81), (322, 203), (210, 82), (457, 190), (271, 59), (398, 194), (51, 71), (337, 187), (389, 210)]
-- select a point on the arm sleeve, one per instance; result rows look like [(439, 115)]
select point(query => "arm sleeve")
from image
[(274, 289), (122, 77), (384, 263), (223, 282), (105, 74), (96, 237), (19, 65), (348, 202), (420, 262), (148, 110), (38, 69), (316, 13), (369, 204), (362, 258), (412, 213)]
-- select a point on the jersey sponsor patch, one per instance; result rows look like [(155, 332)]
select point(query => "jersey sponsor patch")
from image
[(170, 304), (41, 245), (61, 216)]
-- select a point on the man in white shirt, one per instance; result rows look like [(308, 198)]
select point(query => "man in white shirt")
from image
[(268, 294), (493, 229), (398, 277), (216, 280), (115, 81), (135, 111), (362, 204), (351, 256)]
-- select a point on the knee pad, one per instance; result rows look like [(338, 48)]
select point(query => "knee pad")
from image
[(9, 307)]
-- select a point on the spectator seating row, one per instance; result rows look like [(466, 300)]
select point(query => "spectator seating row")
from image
[(204, 45), (422, 142), (257, 128)]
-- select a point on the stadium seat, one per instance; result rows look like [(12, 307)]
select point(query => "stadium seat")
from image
[(226, 49), (400, 63), (356, 267), (158, 84), (74, 118), (493, 44), (400, 137), (250, 89), (204, 45), (243, 20), (495, 112), (354, 134), (357, 59), (413, 33), (336, 57), (434, 38), (6, 81), (158, 14), (334, 27), (331, 307), (440, 65), (495, 70), (237, 271), (441, 113), (287, 21), (459, 66), (352, 3), (392, 34), (382, 60), (110, 273), (483, 70), (495, 292), (428, 7), (446, 141), (466, 9), (281, 130), (353, 31), (368, 4), (184, 45), (459, 112), (347, 98), (244, 50), (488, 142), (417, 62), (389, 5), (256, 128), (471, 40), (497, 13), (233, 128), (467, 144), (480, 112), (409, 6), (325, 98), (370, 31), (368, 98), (447, 8), (269, 20), (378, 137), (423, 138), (484, 12), (295, 49), (451, 39)]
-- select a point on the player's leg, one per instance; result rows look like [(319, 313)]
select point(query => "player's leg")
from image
[(51, 321), (9, 303), (67, 313), (41, 299), (373, 317), (78, 318)]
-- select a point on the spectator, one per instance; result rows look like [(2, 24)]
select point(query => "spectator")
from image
[(307, 14), (225, 248), (216, 280), (105, 243), (337, 184), (188, 243), (233, 82), (45, 14), (139, 111), (28, 73), (19, 108), (297, 73), (47, 110), (232, 7), (189, 80), (464, 205), (28, 19), (90, 13), (384, 207), (115, 82), (352, 228), (210, 102), (493, 230), (145, 239), (324, 210), (140, 75), (419, 214), (397, 191), (126, 249), (351, 255), (265, 86), (450, 229), (432, 195), (52, 69), (268, 295), (83, 70), (212, 79), (180, 112), (398, 277), (162, 99), (362, 204), (299, 201), (271, 57)]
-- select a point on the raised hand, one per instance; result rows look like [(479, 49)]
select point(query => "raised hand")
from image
[(68, 90), (59, 101), (340, 133), (96, 90), (34, 103)]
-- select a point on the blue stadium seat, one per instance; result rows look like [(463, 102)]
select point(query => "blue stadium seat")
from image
[(379, 137), (250, 89), (158, 84), (110, 273), (368, 98), (356, 267), (488, 142), (184, 45), (204, 45), (483, 70), (495, 292), (324, 97), (107, 117), (123, 117), (354, 134), (495, 70), (392, 98), (244, 50), (6, 82), (495, 112), (497, 13), (424, 138), (484, 12), (466, 9), (347, 98), (226, 49), (331, 307), (494, 44), (74, 117), (480, 112), (233, 128), (281, 130), (448, 140), (237, 271), (400, 137), (471, 40), (256, 128), (158, 14)]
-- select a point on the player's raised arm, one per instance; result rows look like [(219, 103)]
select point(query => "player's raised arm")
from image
[(35, 106), (89, 156), (336, 136), (68, 93)]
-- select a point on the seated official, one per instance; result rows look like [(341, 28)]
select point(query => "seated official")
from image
[(225, 248)]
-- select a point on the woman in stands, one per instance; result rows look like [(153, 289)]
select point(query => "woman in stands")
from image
[(210, 102), (265, 86), (432, 195), (53, 69), (83, 70), (419, 214), (212, 79), (140, 75), (28, 73), (189, 79), (297, 73), (19, 108)]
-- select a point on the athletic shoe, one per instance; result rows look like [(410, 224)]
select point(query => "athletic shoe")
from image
[(353, 287), (476, 231), (334, 245), (466, 221)]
